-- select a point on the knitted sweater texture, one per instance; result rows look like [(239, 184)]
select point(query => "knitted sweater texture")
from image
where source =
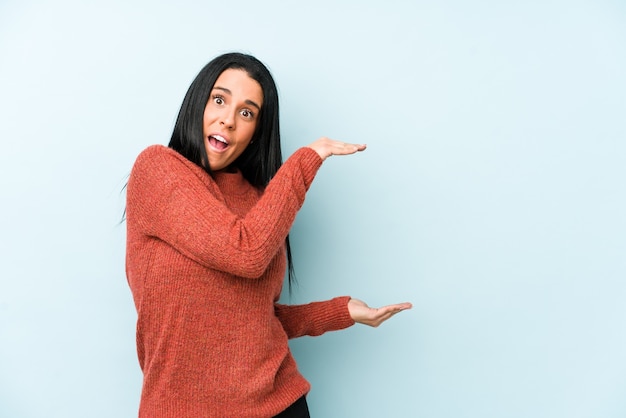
[(205, 262)]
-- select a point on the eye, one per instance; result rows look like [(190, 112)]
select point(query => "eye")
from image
[(247, 113), (218, 100)]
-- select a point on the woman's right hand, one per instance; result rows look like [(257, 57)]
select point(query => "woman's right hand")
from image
[(325, 147)]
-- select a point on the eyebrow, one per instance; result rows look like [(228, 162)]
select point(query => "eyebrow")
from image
[(247, 101)]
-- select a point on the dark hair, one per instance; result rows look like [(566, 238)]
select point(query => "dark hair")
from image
[(262, 158)]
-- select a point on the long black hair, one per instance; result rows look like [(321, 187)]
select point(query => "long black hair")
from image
[(262, 158)]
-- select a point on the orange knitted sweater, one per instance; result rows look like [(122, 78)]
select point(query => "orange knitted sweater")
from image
[(205, 261)]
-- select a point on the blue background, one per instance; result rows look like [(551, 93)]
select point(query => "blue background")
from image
[(491, 196)]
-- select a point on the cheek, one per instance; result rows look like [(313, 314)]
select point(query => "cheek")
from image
[(251, 133), (209, 114)]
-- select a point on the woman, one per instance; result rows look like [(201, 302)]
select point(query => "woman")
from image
[(207, 250)]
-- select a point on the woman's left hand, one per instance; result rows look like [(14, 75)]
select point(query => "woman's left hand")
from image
[(363, 314)]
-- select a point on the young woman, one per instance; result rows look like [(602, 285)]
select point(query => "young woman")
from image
[(208, 219)]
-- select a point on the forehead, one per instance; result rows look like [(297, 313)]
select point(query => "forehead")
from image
[(240, 85)]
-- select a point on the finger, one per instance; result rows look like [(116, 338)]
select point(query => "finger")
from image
[(400, 306), (343, 148), (397, 307), (383, 314)]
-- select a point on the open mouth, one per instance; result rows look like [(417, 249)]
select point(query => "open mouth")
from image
[(218, 142)]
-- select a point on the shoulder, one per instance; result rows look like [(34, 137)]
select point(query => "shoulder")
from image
[(159, 170), (158, 153), (162, 158)]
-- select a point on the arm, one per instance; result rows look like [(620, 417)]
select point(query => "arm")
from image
[(172, 199), (315, 318)]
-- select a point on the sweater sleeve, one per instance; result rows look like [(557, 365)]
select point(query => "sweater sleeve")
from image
[(315, 318), (171, 199)]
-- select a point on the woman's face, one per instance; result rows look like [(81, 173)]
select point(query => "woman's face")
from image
[(230, 117)]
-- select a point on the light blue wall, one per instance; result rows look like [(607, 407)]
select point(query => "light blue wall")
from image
[(491, 196)]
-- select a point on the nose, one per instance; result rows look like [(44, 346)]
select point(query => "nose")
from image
[(227, 119)]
